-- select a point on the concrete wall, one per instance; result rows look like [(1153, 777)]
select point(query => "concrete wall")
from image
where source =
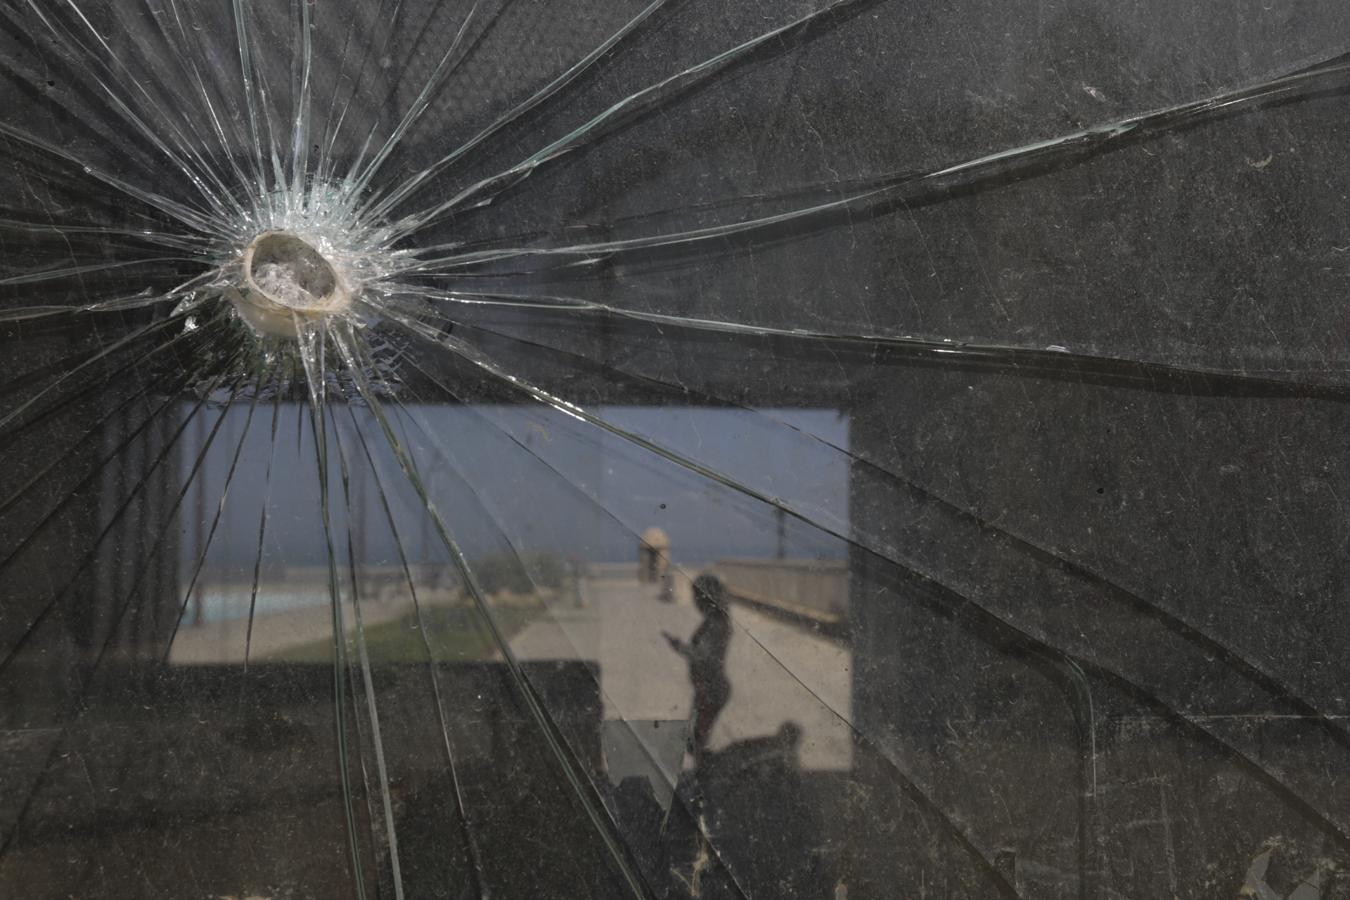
[(816, 589)]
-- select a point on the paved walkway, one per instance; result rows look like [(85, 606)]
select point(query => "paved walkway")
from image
[(779, 672)]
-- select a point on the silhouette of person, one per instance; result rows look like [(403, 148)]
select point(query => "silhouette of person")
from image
[(706, 653)]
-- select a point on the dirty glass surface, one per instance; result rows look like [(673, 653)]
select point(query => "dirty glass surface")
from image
[(674, 449)]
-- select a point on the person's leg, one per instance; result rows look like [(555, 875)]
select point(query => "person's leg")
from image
[(709, 698)]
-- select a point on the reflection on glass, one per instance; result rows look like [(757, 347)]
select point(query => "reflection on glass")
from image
[(655, 449)]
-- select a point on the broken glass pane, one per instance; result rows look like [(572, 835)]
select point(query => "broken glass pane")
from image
[(672, 448)]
